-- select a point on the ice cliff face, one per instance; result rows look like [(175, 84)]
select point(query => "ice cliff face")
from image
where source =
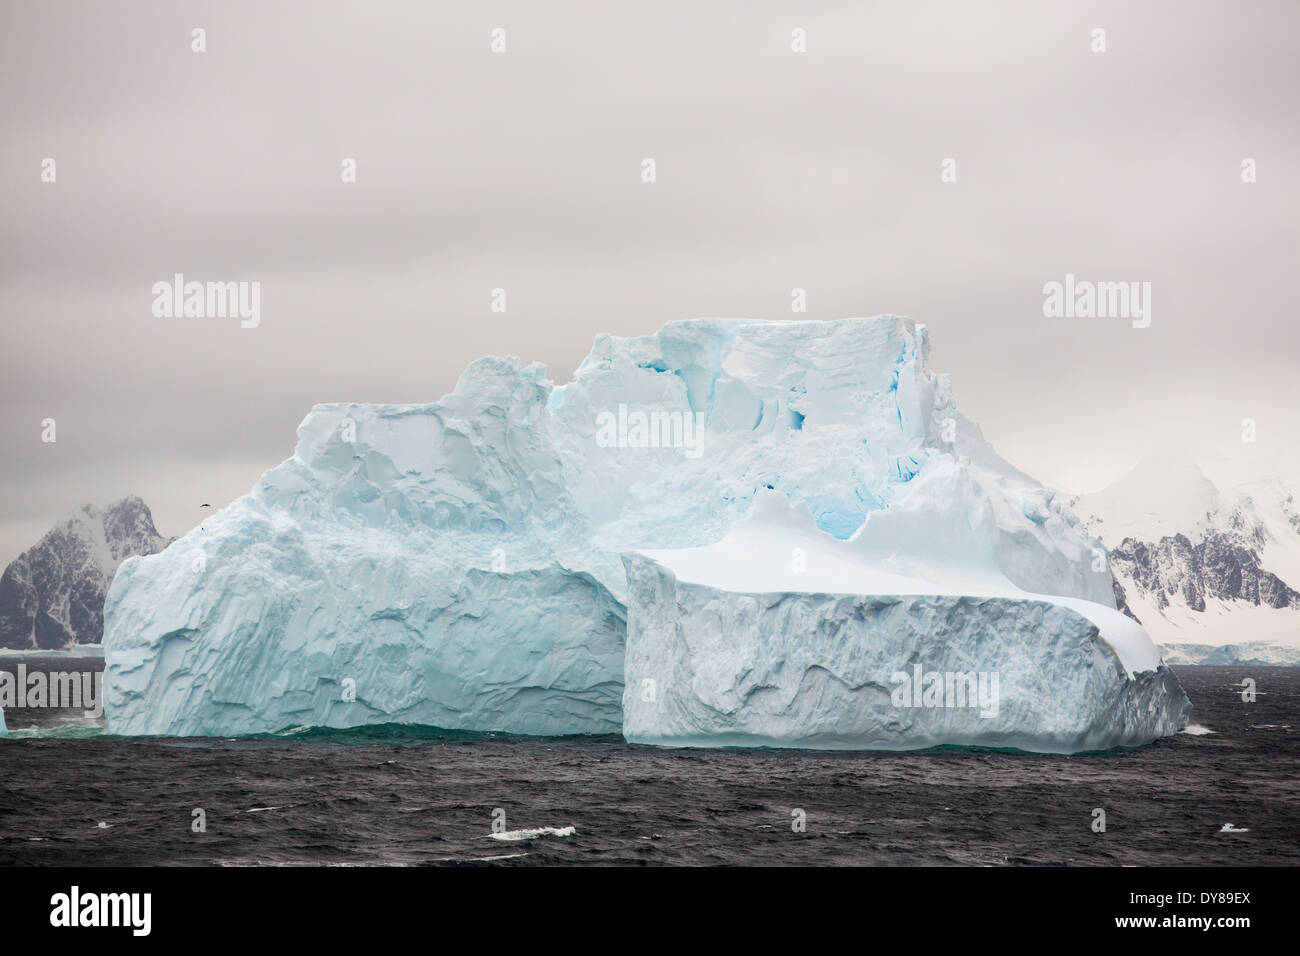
[(775, 636), (52, 595), (461, 563)]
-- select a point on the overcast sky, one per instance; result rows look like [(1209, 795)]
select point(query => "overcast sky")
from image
[(522, 170)]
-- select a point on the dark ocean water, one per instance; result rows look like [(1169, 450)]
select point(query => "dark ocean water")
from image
[(394, 795)]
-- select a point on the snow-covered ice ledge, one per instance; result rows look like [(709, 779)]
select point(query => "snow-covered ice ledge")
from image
[(780, 636)]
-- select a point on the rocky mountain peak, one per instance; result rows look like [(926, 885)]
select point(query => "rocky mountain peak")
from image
[(52, 595)]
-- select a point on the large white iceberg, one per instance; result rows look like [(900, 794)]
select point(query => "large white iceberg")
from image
[(461, 563)]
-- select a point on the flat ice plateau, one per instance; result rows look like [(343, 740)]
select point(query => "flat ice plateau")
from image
[(766, 521)]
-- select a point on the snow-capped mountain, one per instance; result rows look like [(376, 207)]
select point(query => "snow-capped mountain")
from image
[(52, 595), (1211, 569)]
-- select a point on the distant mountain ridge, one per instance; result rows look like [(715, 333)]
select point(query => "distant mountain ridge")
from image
[(1208, 570), (52, 595)]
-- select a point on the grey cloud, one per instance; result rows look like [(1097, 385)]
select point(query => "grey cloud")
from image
[(775, 170)]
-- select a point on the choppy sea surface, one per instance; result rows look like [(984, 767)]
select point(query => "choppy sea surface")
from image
[(71, 795)]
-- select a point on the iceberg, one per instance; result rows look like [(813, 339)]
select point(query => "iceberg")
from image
[(518, 557)]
